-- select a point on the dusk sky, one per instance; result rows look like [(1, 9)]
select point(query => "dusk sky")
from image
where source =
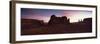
[(44, 14)]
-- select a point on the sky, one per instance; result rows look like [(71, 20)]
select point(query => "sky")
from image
[(45, 14)]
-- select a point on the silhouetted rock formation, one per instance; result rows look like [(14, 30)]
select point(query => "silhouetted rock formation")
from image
[(31, 23), (56, 25), (58, 20), (88, 20)]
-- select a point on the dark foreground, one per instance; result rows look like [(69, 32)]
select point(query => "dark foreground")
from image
[(57, 29), (56, 25)]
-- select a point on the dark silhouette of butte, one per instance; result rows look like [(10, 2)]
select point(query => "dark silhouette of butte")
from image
[(56, 25), (58, 20)]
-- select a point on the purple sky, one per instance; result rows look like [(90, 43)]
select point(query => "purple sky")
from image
[(44, 14)]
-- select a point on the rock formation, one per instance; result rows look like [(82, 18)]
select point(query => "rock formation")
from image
[(88, 20), (31, 23), (58, 20)]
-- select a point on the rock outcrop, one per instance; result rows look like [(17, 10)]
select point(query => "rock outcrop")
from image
[(88, 20), (58, 20), (31, 23)]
